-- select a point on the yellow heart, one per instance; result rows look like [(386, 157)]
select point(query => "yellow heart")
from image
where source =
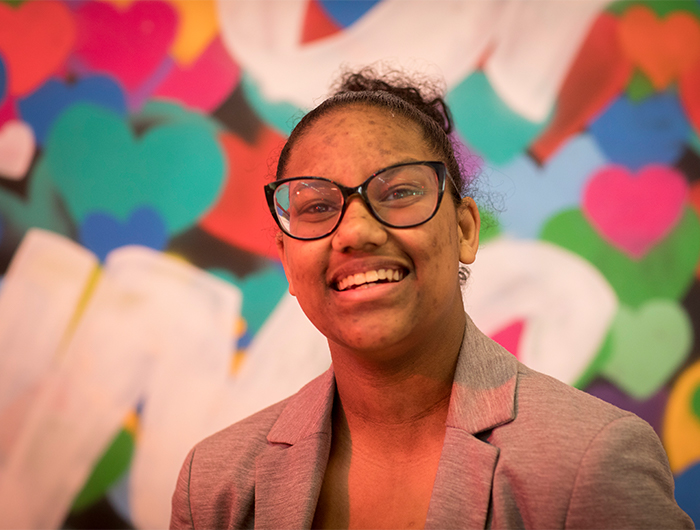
[(198, 26)]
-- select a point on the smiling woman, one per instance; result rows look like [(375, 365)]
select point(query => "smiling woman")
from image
[(422, 421)]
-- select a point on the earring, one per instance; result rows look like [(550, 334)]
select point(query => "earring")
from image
[(463, 273)]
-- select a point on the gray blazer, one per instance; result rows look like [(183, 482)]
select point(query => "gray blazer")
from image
[(521, 450)]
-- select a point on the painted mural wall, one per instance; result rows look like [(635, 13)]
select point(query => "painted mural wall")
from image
[(142, 306)]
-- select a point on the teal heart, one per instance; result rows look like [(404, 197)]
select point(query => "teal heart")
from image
[(695, 143), (261, 292), (666, 271), (487, 124), (282, 116), (98, 164), (648, 346), (42, 207), (159, 112)]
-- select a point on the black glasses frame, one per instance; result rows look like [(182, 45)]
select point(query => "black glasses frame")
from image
[(361, 190)]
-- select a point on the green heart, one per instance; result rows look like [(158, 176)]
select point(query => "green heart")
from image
[(42, 207), (665, 272), (487, 124), (660, 7), (639, 87), (98, 165), (110, 468), (490, 227), (648, 346)]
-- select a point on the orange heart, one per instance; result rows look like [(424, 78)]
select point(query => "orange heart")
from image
[(35, 40), (662, 49)]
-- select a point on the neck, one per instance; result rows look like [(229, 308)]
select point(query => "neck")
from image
[(403, 392)]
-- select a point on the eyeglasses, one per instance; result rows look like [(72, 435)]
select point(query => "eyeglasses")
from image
[(399, 196)]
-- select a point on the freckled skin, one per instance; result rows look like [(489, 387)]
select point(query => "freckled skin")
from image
[(347, 146), (394, 346)]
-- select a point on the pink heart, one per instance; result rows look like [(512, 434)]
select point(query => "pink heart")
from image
[(635, 212), (214, 69), (16, 149), (509, 337), (128, 43)]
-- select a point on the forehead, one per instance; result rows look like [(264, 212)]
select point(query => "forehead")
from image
[(364, 135)]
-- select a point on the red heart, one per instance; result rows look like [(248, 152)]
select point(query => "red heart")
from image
[(130, 43), (663, 49), (35, 40), (689, 91), (317, 23), (635, 212), (599, 72), (241, 216)]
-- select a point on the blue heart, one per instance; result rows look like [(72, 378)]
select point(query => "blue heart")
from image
[(530, 194), (42, 107), (635, 134), (102, 233), (347, 12)]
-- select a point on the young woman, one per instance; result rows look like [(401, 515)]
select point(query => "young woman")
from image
[(422, 421)]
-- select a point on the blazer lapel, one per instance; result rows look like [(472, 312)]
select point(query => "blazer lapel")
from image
[(483, 397), (289, 473), (462, 487)]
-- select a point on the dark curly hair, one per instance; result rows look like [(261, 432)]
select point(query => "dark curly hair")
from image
[(420, 102)]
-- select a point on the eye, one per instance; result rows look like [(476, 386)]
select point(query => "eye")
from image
[(315, 210), (403, 192)]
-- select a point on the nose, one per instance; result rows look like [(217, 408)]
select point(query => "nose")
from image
[(358, 230)]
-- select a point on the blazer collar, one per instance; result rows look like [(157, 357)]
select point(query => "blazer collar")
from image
[(483, 397), (483, 391), (290, 472)]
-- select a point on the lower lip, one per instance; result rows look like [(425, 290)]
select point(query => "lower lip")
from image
[(370, 291)]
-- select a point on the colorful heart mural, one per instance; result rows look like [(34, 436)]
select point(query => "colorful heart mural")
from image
[(136, 135)]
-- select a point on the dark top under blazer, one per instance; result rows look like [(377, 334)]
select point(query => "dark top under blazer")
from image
[(521, 450)]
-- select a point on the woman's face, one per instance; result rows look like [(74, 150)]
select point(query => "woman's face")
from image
[(338, 279)]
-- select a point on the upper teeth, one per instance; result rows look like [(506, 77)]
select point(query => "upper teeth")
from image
[(369, 277)]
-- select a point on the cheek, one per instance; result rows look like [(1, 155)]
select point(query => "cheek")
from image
[(305, 270), (440, 254)]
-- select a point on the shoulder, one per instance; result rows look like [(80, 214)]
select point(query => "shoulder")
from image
[(555, 425), (217, 480), (579, 461), (216, 486)]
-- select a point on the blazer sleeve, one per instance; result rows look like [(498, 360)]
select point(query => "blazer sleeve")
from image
[(624, 481), (181, 516)]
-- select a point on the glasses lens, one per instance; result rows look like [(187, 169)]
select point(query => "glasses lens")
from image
[(404, 195), (308, 208)]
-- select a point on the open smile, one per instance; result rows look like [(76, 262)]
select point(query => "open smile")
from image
[(364, 280)]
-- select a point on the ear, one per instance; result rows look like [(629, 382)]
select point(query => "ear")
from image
[(469, 225), (279, 240)]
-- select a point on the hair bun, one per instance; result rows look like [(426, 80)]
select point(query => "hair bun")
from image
[(423, 95)]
